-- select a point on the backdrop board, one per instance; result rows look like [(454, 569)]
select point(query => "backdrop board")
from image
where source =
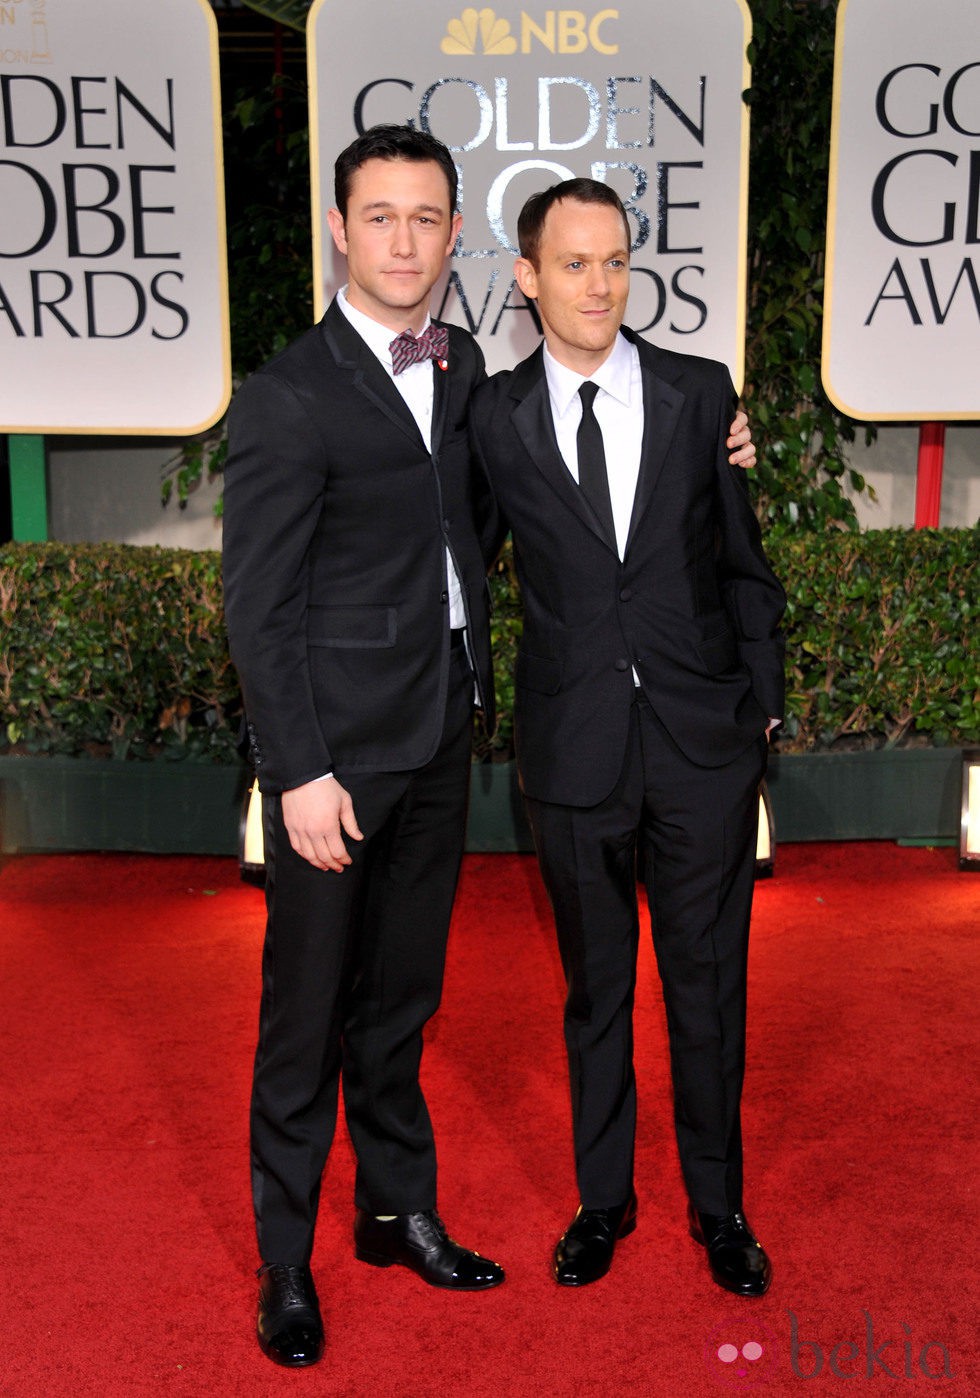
[(646, 96), (113, 285), (902, 298)]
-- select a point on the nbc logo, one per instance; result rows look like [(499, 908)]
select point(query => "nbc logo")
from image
[(493, 33), (560, 31)]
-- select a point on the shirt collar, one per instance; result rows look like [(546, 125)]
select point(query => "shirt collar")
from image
[(376, 336), (613, 376)]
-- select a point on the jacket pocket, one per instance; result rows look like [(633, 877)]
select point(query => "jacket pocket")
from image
[(351, 628), (718, 653), (538, 672)]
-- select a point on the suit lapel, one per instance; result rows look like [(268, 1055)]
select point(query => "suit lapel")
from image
[(367, 376), (662, 404), (440, 403), (535, 426)]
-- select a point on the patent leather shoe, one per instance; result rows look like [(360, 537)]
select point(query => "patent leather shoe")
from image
[(585, 1250), (289, 1326), (421, 1243), (737, 1260)]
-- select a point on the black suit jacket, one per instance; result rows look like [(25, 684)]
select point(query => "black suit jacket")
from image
[(693, 606), (336, 522)]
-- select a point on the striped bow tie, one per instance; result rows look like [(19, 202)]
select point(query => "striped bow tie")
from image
[(406, 349)]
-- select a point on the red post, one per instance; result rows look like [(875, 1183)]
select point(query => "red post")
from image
[(929, 476)]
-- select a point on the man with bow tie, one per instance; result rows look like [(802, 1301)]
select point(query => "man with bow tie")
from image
[(357, 616)]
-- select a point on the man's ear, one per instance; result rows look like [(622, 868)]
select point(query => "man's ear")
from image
[(335, 222), (454, 231), (527, 278)]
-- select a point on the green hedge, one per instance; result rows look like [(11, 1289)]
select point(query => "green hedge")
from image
[(112, 649), (881, 638)]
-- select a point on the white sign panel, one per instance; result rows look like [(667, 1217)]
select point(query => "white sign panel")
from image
[(645, 95), (902, 301), (113, 287)]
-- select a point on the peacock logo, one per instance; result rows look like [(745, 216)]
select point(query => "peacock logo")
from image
[(478, 27)]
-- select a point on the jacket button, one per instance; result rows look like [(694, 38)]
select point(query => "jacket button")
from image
[(625, 595), (444, 597), (622, 665)]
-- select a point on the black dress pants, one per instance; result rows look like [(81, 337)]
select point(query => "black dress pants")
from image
[(352, 969), (697, 829)]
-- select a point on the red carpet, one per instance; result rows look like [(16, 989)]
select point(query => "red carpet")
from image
[(130, 999)]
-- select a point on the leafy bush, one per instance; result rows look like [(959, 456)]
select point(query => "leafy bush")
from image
[(115, 650), (119, 650), (881, 638), (803, 467)]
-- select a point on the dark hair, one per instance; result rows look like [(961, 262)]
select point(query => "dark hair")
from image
[(530, 221), (391, 143)]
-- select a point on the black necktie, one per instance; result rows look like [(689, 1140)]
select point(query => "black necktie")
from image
[(592, 477)]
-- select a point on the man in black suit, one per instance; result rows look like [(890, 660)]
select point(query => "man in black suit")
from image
[(648, 676), (356, 602)]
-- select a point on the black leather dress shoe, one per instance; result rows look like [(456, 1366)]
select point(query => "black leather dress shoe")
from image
[(737, 1260), (289, 1324), (420, 1242), (585, 1250)]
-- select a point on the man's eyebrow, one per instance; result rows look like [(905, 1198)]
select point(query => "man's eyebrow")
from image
[(380, 205), (584, 256)]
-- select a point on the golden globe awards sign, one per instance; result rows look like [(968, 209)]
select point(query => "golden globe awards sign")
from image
[(113, 290), (645, 95), (902, 301)]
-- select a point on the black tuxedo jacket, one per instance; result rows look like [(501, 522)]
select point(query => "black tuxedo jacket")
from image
[(336, 523), (693, 606)]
